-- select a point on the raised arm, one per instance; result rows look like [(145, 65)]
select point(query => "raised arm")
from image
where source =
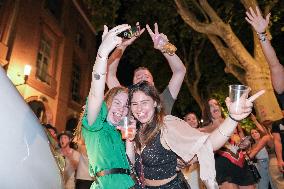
[(96, 94), (261, 144), (260, 25), (220, 135), (258, 125), (113, 62), (114, 59), (174, 61)]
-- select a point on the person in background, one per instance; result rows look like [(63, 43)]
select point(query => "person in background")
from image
[(83, 178), (262, 159), (170, 94), (192, 172), (277, 164), (71, 159), (260, 25), (52, 136), (231, 168)]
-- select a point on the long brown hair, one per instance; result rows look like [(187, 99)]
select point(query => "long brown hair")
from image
[(146, 134)]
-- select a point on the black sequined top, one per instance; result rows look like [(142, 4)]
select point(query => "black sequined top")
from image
[(157, 162)]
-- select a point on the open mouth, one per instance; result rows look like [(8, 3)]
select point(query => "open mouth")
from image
[(141, 116), (117, 116), (216, 111)]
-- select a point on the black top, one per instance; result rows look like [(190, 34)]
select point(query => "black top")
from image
[(157, 162), (278, 127)]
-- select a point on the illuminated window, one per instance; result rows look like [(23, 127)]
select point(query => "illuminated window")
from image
[(43, 61)]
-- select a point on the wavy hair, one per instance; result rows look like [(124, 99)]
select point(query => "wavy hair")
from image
[(151, 129)]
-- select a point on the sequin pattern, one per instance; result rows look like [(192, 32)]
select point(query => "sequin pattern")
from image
[(158, 162)]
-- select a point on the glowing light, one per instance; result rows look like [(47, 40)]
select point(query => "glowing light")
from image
[(27, 70)]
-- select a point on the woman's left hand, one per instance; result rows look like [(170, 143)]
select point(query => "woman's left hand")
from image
[(246, 108)]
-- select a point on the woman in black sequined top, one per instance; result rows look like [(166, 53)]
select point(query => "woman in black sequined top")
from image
[(155, 157)]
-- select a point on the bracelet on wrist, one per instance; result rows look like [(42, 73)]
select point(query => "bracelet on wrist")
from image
[(169, 48), (262, 36), (234, 118)]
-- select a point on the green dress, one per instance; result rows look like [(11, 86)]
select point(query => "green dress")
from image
[(105, 150)]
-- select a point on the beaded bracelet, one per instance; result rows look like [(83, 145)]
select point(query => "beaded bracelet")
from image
[(234, 118)]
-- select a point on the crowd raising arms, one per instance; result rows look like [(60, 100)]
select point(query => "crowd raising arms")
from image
[(145, 105)]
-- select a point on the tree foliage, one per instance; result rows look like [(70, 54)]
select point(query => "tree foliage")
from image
[(214, 80)]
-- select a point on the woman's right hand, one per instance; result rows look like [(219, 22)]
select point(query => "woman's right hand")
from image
[(245, 103), (110, 39)]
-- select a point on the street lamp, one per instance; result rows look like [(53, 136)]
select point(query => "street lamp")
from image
[(27, 72)]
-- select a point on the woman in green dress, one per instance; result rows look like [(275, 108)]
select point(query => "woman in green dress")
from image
[(105, 148)]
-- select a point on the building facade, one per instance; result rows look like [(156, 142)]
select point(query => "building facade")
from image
[(56, 38)]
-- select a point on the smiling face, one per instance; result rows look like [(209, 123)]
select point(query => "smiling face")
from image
[(143, 75), (255, 134), (142, 107), (215, 109), (118, 108), (191, 119)]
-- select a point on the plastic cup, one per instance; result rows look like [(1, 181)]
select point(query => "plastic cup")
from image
[(238, 94), (125, 131)]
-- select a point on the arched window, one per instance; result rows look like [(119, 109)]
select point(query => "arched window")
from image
[(39, 110)]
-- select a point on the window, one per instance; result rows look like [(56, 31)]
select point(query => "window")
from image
[(76, 78), (54, 7), (43, 61), (80, 40)]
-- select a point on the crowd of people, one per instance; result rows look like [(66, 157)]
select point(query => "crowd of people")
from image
[(162, 151)]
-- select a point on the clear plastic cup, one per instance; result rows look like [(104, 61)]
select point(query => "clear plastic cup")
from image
[(238, 94), (126, 131)]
